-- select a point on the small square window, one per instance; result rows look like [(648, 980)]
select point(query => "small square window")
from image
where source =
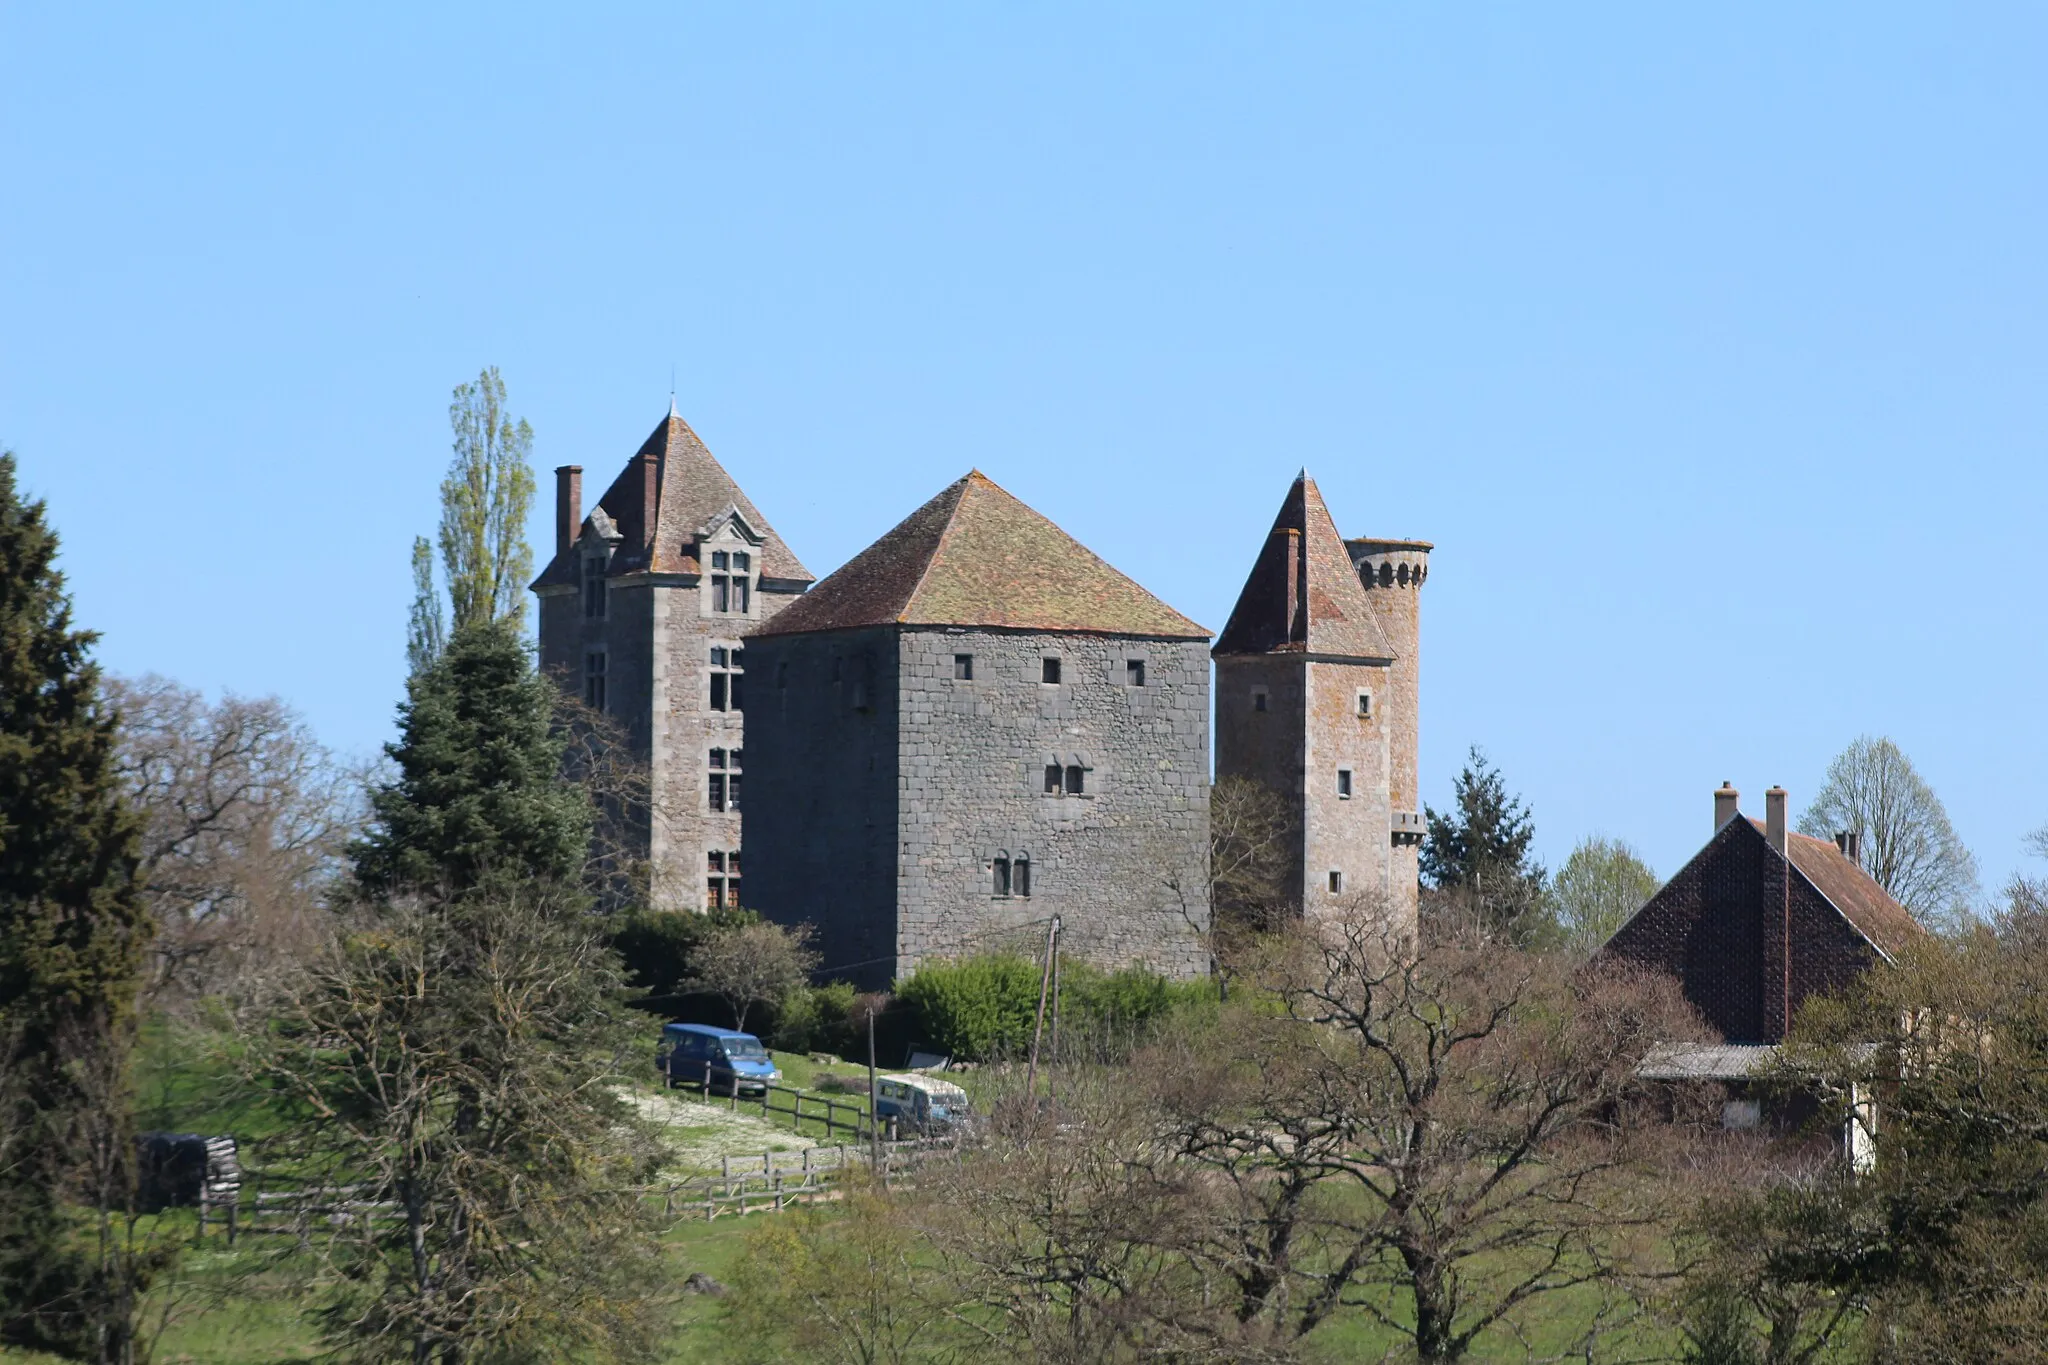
[(1258, 699), (1134, 672), (717, 657), (1052, 779), (1049, 670), (1336, 882), (1364, 705), (718, 758), (963, 667), (1344, 784), (720, 560), (715, 862)]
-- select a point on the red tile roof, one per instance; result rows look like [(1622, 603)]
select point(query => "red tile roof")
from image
[(691, 489), (1854, 893), (977, 556), (1303, 595)]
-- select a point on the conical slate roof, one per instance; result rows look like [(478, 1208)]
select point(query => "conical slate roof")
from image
[(976, 556), (1303, 595), (675, 475)]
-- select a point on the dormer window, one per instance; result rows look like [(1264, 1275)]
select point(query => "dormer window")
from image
[(731, 582)]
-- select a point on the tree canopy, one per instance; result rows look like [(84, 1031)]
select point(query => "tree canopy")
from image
[(1908, 844), (478, 790), (1476, 856)]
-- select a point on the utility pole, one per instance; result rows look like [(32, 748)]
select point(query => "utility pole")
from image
[(1052, 939), (874, 1105), (1052, 1060)]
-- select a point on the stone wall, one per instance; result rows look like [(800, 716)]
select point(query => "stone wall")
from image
[(822, 793), (1123, 863), (1267, 746), (1348, 835), (1393, 572)]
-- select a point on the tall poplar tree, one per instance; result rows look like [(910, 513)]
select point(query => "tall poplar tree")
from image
[(72, 925), (485, 500)]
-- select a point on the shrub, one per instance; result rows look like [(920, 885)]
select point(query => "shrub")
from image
[(819, 1019), (977, 1008), (982, 1008), (655, 946)]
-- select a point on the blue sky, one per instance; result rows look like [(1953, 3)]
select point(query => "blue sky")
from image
[(1706, 343)]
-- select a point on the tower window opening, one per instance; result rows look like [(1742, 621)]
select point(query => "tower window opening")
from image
[(1258, 699), (1344, 784), (1365, 705), (593, 680), (1049, 670), (593, 587), (1002, 876), (1336, 882), (963, 667), (1020, 875), (1076, 777), (1134, 672), (1052, 779)]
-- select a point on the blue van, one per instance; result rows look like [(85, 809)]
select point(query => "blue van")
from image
[(715, 1058)]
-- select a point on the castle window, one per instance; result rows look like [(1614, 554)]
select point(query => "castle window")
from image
[(1076, 777), (1020, 875), (1364, 705), (1002, 875), (1134, 672), (723, 787), (742, 582), (1344, 784), (714, 880), (721, 581), (1049, 670), (731, 581), (732, 880), (593, 587), (963, 667), (726, 678), (1336, 882), (593, 679), (1052, 779), (1258, 699)]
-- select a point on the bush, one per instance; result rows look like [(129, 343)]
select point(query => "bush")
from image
[(819, 1019), (977, 1008), (655, 946), (982, 1008)]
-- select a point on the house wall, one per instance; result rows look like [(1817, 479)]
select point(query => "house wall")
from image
[(1720, 926)]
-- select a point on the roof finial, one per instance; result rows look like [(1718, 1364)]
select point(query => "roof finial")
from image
[(672, 390)]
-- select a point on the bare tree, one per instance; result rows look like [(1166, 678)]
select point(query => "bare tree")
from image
[(1249, 827), (752, 964), (1455, 1126), (246, 817), (1908, 844)]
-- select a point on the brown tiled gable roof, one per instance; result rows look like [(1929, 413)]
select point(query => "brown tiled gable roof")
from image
[(1889, 926), (690, 488), (977, 556), (1303, 595)]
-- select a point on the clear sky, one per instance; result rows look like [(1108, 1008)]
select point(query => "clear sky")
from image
[(1707, 342)]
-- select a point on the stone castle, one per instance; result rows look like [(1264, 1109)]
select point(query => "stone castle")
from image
[(976, 723)]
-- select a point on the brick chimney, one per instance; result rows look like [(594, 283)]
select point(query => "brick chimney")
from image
[(1851, 843), (568, 504), (1727, 805), (1774, 818), (1293, 605)]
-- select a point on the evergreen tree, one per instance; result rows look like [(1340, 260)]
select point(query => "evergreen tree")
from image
[(72, 932), (478, 793), (1476, 858)]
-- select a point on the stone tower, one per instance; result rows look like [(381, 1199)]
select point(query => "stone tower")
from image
[(974, 725), (1392, 572), (642, 614), (1316, 700)]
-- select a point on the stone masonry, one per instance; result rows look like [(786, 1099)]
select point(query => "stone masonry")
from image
[(928, 787)]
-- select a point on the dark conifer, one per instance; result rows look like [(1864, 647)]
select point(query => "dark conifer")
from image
[(478, 795), (1476, 858), (72, 929)]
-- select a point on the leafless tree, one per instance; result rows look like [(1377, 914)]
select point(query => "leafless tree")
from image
[(752, 964), (1452, 1125), (246, 819), (1244, 891), (1908, 844)]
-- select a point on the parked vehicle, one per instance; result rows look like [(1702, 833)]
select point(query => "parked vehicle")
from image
[(921, 1104), (716, 1058)]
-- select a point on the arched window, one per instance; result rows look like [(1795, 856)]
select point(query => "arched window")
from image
[(1076, 779), (1020, 875), (1002, 874)]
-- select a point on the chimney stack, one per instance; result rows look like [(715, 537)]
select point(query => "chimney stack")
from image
[(1293, 605), (1851, 843), (1774, 818), (568, 504), (1727, 805)]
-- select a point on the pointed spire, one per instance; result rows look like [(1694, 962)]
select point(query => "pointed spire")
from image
[(1303, 595)]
